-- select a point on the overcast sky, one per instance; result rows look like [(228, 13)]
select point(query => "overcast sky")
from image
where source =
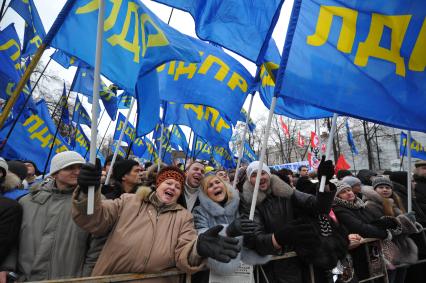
[(182, 21)]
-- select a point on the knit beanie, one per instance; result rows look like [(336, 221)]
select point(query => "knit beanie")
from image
[(382, 180), (340, 186), (36, 171), (122, 168), (18, 168), (65, 159), (254, 166), (170, 172), (3, 166), (351, 180)]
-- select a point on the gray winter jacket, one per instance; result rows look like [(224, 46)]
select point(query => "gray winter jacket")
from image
[(51, 245), (209, 214)]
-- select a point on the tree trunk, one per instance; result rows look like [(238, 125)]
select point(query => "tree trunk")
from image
[(377, 146), (367, 143), (335, 153)]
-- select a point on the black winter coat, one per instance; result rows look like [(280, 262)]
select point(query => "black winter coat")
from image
[(10, 223), (420, 192), (356, 219), (274, 210)]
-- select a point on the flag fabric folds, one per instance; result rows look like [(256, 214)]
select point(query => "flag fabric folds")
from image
[(65, 114), (66, 60), (205, 121), (80, 115), (134, 39), (341, 164), (359, 58), (178, 138), (129, 133), (300, 140), (219, 156), (10, 54), (248, 153), (350, 138), (34, 30), (417, 149), (314, 140), (238, 25), (284, 127), (124, 100)]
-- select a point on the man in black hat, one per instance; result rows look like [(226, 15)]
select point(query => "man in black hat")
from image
[(126, 177)]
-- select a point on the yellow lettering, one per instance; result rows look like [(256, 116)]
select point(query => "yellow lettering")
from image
[(36, 40), (112, 18), (237, 80), (208, 63), (157, 39), (267, 74), (61, 148), (371, 46), (347, 32), (171, 68), (37, 122), (199, 110), (418, 59), (161, 68), (15, 56), (222, 124), (43, 136), (214, 114), (181, 69), (89, 7), (120, 39)]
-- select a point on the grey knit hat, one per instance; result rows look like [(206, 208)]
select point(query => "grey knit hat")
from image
[(351, 180), (3, 166), (65, 159), (340, 186), (382, 180)]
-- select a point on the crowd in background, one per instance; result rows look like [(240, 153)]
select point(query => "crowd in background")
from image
[(151, 217)]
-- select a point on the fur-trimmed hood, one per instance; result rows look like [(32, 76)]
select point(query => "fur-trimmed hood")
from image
[(373, 198), (277, 187), (216, 209), (11, 182)]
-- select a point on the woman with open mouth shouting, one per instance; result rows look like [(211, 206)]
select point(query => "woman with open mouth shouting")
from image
[(148, 231), (219, 206)]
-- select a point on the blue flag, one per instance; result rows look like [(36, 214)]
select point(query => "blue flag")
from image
[(220, 156), (178, 138), (64, 104), (350, 138), (248, 153), (417, 149), (163, 142), (243, 118), (83, 83), (32, 138), (218, 81), (134, 39), (81, 144), (80, 115), (121, 151), (238, 25), (150, 152), (124, 100), (139, 147), (285, 106), (66, 60), (129, 133), (34, 30), (205, 121), (10, 54), (363, 59)]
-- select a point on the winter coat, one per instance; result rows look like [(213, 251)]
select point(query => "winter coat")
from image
[(375, 204), (182, 199), (354, 217), (407, 249), (420, 193), (402, 192), (10, 222), (12, 187), (51, 245), (209, 214), (144, 236), (275, 208)]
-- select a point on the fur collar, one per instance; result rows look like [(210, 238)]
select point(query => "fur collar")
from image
[(11, 182), (358, 204), (369, 194), (277, 187), (216, 209), (145, 194)]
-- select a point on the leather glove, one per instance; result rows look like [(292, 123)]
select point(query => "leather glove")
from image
[(90, 175), (325, 168), (386, 222), (240, 227), (211, 244), (297, 233)]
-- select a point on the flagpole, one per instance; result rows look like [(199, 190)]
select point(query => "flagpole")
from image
[(187, 150), (409, 193), (328, 149), (23, 107), (161, 146), (2, 9), (103, 138), (243, 139), (53, 30), (95, 104), (262, 157), (120, 139)]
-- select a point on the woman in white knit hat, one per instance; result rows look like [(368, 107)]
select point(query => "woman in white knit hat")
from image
[(51, 245)]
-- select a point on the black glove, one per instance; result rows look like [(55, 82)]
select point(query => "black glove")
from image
[(325, 168), (240, 227), (386, 222), (297, 233), (211, 244), (90, 175)]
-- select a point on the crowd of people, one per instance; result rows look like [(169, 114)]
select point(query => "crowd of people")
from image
[(152, 217)]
